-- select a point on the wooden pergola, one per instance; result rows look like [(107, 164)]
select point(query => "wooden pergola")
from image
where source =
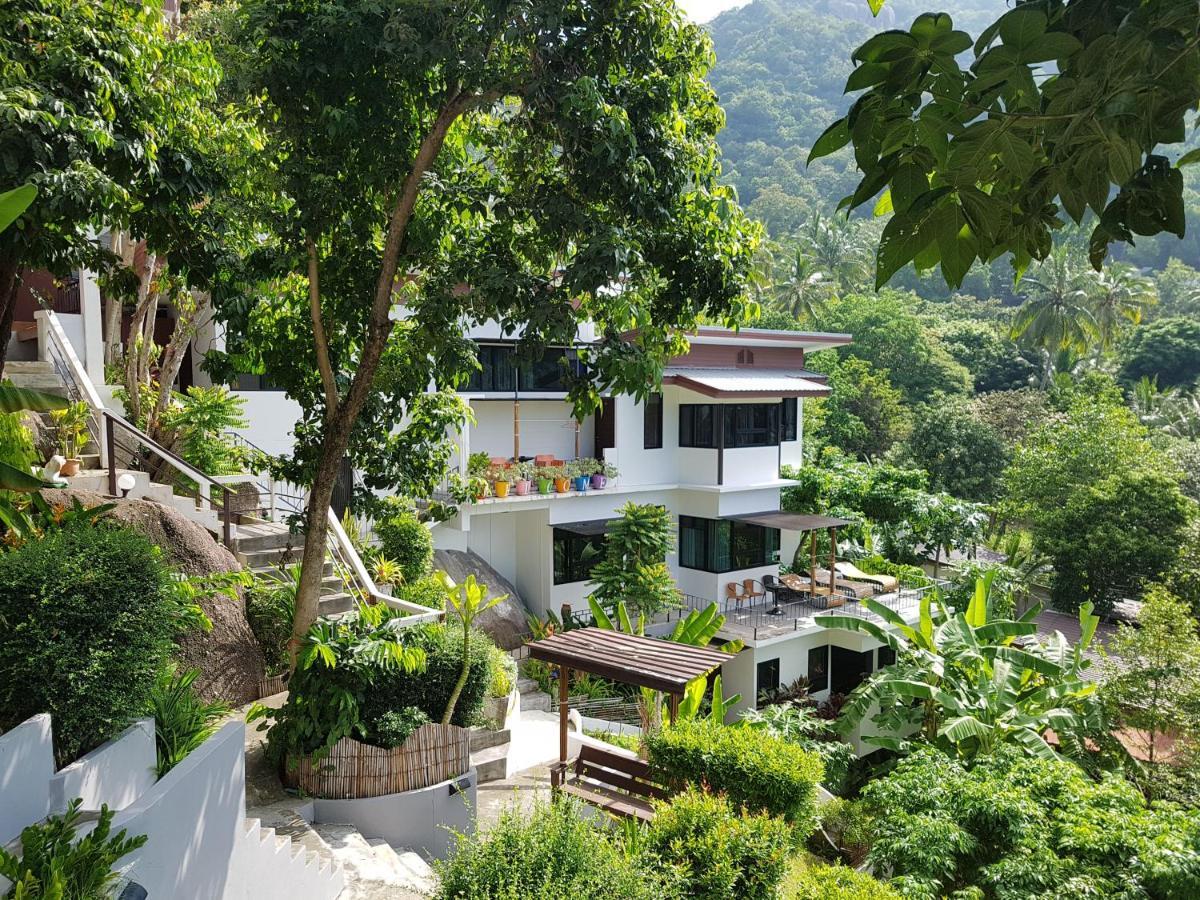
[(628, 658), (803, 522)]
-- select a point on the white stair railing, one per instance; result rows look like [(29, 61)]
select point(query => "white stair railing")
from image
[(55, 348)]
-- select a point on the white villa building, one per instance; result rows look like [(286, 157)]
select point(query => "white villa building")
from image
[(709, 447)]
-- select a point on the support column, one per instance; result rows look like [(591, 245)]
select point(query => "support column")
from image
[(516, 430), (832, 559), (564, 679), (92, 317)]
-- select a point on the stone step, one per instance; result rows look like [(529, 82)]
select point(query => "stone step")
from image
[(374, 869), (336, 604), (277, 569), (491, 764), (28, 367), (47, 383), (482, 738), (256, 536), (273, 557)]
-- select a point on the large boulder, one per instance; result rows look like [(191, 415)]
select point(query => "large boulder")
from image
[(228, 657), (507, 622)]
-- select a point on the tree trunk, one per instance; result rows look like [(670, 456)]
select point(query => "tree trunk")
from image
[(10, 266), (124, 248), (312, 560), (462, 676)]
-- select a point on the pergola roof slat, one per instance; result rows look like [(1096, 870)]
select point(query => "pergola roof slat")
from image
[(790, 521), (629, 658)]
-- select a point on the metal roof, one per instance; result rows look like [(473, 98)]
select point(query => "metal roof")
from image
[(629, 658), (745, 382), (790, 521)]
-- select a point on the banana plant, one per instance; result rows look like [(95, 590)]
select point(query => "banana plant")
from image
[(13, 516), (960, 681), (468, 600), (696, 629)]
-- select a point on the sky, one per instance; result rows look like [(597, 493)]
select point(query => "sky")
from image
[(703, 10)]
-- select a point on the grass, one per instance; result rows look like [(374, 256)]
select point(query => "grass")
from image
[(631, 742)]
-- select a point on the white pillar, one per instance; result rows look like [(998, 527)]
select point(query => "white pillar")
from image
[(92, 314)]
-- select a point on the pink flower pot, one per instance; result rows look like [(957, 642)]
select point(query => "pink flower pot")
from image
[(521, 487)]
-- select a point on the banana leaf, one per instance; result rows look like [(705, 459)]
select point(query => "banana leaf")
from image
[(15, 399), (15, 202)]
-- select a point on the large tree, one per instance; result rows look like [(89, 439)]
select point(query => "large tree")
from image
[(1065, 101), (99, 104), (539, 163)]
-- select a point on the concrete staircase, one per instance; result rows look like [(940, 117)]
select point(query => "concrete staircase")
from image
[(268, 548), (37, 375), (283, 867), (374, 869), (532, 696), (489, 753)]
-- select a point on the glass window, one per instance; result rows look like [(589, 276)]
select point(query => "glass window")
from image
[(818, 668), (652, 423), (767, 678), (499, 372), (790, 412), (696, 425), (850, 669), (575, 555), (725, 545), (886, 656), (752, 425)]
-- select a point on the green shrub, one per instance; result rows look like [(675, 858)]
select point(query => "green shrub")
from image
[(502, 672), (802, 726), (430, 689), (550, 853), (404, 540), (55, 863), (753, 768), (270, 610), (720, 852), (16, 444), (395, 727), (182, 721), (89, 622), (631, 742), (425, 591), (839, 883)]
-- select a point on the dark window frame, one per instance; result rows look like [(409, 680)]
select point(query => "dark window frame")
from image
[(771, 667), (730, 426), (567, 554), (718, 546), (789, 419), (500, 373), (818, 669), (652, 422)]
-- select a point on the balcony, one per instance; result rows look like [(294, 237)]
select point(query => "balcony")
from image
[(762, 620)]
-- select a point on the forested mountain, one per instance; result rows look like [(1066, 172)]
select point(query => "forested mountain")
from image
[(781, 67)]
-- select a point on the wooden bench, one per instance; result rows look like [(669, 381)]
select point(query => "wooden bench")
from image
[(616, 783)]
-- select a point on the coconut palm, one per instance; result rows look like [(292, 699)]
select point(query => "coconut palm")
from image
[(803, 294), (838, 248), (960, 682), (1057, 312), (1121, 297)]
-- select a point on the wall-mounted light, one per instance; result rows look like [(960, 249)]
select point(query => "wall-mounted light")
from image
[(125, 483)]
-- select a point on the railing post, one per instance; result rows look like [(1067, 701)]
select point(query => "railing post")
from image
[(226, 523), (110, 447)]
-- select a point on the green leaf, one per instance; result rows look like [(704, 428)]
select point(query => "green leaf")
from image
[(1192, 156), (15, 202), (876, 6), (883, 206), (1053, 45), (834, 138), (15, 399), (865, 76), (906, 235), (1021, 27), (13, 479)]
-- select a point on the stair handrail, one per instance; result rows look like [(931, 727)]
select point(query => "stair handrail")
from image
[(346, 555), (76, 379)]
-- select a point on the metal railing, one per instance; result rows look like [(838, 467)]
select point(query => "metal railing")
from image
[(765, 619), (57, 350)]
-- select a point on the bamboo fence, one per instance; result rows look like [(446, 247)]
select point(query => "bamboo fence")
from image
[(354, 770)]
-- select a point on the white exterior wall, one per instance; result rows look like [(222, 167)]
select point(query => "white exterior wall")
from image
[(26, 767), (115, 774), (547, 428), (748, 466)]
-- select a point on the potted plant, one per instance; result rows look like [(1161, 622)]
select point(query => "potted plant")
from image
[(71, 427), (600, 476), (562, 482), (501, 479), (523, 472), (545, 479), (386, 574), (581, 472), (478, 486)]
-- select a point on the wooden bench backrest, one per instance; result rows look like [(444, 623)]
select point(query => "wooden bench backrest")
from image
[(617, 770)]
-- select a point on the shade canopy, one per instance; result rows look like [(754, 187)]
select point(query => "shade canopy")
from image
[(629, 658), (591, 528), (745, 382), (789, 521)]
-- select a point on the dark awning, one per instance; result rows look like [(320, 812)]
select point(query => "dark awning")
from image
[(590, 528), (629, 658), (789, 521)]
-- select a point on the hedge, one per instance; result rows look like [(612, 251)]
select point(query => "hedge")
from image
[(405, 541), (87, 627), (839, 882), (754, 769), (718, 851)]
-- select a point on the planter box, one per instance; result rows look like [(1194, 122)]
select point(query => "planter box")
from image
[(354, 770)]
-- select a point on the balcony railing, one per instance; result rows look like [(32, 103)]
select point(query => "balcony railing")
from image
[(764, 620)]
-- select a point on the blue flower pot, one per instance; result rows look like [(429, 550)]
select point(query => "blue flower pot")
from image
[(581, 483)]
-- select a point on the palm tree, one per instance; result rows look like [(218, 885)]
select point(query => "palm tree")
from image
[(1057, 313), (837, 248), (806, 289), (1121, 297)]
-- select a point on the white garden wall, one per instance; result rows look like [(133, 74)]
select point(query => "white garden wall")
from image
[(115, 774), (26, 766)]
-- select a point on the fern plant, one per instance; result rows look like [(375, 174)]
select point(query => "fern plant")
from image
[(56, 864)]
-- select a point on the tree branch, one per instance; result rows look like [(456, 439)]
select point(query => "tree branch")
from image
[(319, 337)]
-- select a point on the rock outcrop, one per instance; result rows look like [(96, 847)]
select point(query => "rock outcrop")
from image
[(228, 656), (506, 622)]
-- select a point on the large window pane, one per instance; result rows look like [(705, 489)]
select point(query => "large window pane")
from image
[(723, 545), (652, 423), (790, 411), (818, 668), (696, 425), (575, 555)]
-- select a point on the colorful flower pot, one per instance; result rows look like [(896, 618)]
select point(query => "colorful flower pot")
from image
[(545, 485), (521, 487), (562, 485), (581, 483), (501, 488), (599, 482)]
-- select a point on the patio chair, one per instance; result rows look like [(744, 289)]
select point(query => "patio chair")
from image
[(733, 592), (850, 570), (751, 592)]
